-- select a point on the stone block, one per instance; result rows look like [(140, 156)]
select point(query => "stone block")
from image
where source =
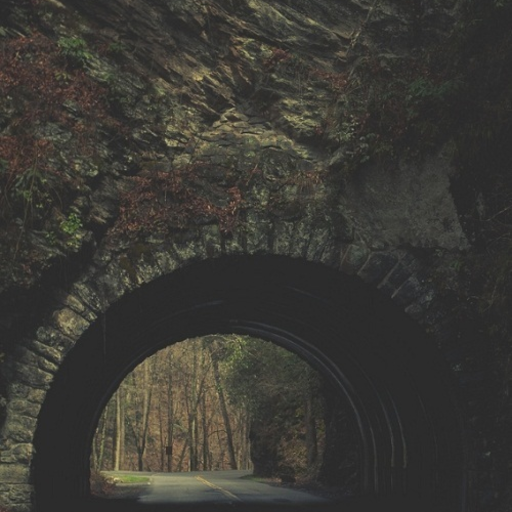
[(30, 358), (408, 292), (319, 241), (301, 239), (14, 474), (70, 323), (51, 354), (18, 454), (396, 278), (146, 271), (282, 238), (166, 261), (257, 233), (19, 390), (330, 254), (20, 494), (114, 283), (55, 339), (71, 301), (24, 408), (211, 236), (88, 296), (36, 396), (354, 258), (33, 376), (233, 244), (16, 497), (415, 311), (189, 248), (22, 507), (19, 430), (377, 267)]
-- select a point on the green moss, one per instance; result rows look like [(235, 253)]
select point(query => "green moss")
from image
[(72, 228), (75, 50)]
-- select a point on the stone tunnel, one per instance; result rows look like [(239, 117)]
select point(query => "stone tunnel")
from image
[(207, 185)]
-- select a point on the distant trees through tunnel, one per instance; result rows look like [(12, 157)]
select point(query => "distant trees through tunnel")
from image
[(228, 401)]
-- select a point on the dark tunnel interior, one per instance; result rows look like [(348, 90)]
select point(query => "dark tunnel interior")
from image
[(382, 363)]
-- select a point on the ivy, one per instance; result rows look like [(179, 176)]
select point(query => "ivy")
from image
[(72, 227), (74, 50)]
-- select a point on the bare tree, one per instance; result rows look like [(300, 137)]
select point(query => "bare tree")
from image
[(119, 432), (138, 419), (222, 400), (217, 402)]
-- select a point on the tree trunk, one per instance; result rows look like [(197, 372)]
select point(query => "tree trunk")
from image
[(310, 424), (119, 431), (182, 455), (146, 408), (163, 439), (206, 443), (192, 403), (244, 425), (138, 419), (192, 447), (170, 414), (102, 439), (223, 407)]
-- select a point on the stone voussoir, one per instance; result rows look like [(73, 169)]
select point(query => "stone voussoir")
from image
[(49, 353), (112, 283), (54, 339), (33, 376), (21, 407), (15, 494), (353, 258), (21, 453), (86, 295), (377, 267), (166, 260), (211, 238), (70, 323), (409, 291), (74, 303)]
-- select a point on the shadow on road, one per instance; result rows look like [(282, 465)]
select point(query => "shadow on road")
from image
[(359, 504)]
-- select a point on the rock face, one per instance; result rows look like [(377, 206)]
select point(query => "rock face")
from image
[(410, 206), (138, 137), (234, 109)]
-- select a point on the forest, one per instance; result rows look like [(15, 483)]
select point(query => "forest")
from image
[(225, 402)]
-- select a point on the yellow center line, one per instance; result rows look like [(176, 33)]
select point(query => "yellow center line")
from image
[(217, 488)]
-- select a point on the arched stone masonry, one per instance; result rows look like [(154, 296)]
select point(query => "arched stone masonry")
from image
[(396, 273)]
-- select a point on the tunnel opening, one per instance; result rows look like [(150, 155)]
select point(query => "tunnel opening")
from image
[(231, 409), (380, 361)]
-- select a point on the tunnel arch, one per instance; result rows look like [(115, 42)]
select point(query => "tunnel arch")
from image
[(381, 360)]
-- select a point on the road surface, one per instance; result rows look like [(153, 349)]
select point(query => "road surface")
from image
[(235, 491), (220, 487), (229, 488)]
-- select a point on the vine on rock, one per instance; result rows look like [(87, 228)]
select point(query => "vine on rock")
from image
[(40, 91), (49, 119), (159, 201)]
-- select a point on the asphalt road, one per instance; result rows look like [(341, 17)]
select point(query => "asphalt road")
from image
[(221, 491), (220, 487)]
